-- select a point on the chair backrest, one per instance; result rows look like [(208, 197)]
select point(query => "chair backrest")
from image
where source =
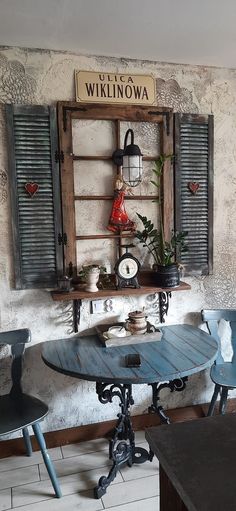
[(212, 318), (17, 340)]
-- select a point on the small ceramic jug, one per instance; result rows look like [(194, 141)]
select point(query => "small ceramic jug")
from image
[(136, 324)]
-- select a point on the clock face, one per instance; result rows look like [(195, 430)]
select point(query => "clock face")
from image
[(128, 268)]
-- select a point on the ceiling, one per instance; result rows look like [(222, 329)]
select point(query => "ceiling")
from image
[(182, 31)]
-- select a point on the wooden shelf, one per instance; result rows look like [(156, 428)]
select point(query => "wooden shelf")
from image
[(146, 278), (107, 293)]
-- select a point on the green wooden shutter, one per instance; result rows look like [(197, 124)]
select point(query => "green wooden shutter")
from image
[(36, 220), (193, 137)]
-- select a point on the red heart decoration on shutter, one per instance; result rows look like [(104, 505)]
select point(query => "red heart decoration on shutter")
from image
[(193, 187), (31, 188)]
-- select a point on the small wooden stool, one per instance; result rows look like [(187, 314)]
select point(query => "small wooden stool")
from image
[(197, 464)]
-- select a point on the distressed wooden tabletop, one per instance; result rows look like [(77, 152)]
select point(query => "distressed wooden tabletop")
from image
[(182, 351), (199, 457)]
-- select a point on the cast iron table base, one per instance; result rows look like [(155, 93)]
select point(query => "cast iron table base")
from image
[(122, 447), (178, 385)]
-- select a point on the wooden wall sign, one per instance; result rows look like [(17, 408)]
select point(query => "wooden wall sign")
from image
[(114, 88)]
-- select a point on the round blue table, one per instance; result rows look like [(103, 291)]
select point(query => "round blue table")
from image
[(167, 362)]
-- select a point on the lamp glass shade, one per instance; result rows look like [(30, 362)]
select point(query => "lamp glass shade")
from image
[(132, 169)]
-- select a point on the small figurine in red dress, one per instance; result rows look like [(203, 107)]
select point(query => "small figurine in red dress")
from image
[(119, 220)]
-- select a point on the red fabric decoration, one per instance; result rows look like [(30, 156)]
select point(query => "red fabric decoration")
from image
[(119, 220)]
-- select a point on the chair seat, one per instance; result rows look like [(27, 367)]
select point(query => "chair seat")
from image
[(17, 413), (224, 374)]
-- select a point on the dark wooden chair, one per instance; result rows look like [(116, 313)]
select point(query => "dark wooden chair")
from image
[(223, 374), (18, 411)]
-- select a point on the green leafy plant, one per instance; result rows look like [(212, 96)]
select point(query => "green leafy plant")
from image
[(88, 268), (162, 250)]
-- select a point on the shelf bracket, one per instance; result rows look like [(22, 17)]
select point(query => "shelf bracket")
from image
[(76, 313), (164, 302)]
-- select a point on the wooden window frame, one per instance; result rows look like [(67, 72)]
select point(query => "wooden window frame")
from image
[(68, 111)]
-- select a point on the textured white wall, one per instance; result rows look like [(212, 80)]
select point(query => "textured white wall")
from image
[(41, 77)]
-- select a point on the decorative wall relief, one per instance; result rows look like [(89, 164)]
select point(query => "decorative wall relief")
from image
[(152, 307), (16, 86), (3, 186), (169, 93), (219, 288)]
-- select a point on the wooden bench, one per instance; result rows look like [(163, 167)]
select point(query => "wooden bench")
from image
[(197, 464)]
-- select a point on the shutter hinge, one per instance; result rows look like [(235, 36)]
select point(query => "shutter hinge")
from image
[(62, 238), (59, 156)]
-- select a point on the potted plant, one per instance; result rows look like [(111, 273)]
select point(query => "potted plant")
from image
[(90, 274), (162, 250)]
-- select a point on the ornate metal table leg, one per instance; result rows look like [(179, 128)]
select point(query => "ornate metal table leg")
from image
[(178, 385), (164, 298), (122, 444)]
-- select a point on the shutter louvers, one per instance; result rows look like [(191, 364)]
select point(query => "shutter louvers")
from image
[(36, 218), (194, 189)]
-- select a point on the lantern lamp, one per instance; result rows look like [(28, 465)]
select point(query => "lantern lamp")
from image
[(130, 158)]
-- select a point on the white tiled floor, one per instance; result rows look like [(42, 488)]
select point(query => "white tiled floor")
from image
[(24, 482)]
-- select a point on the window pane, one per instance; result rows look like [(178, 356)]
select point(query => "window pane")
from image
[(94, 177), (102, 252), (146, 136), (94, 138)]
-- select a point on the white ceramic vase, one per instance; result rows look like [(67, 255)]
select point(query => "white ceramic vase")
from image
[(92, 278)]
